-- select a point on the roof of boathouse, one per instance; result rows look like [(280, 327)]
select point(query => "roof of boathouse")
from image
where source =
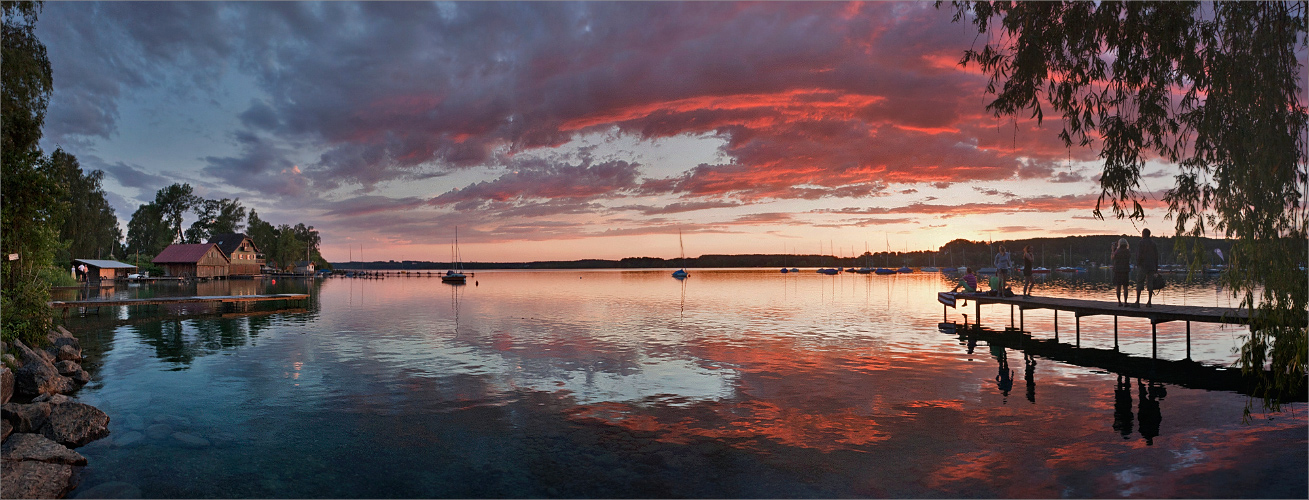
[(229, 242), (104, 264), (185, 253)]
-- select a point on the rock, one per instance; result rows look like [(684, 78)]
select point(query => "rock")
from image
[(67, 353), (27, 417), (190, 441), (68, 367), (38, 375), (54, 399), (26, 446), (9, 359), (112, 489), (81, 377), (6, 385), (32, 479), (75, 424), (134, 422), (128, 439), (172, 420), (158, 431), (8, 429)]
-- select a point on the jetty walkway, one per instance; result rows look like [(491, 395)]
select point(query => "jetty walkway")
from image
[(226, 301), (1158, 313)]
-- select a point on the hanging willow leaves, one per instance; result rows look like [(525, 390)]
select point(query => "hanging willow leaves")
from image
[(1213, 88)]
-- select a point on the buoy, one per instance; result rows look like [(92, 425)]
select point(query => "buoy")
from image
[(274, 282)]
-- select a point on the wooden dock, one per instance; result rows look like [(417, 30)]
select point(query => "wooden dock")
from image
[(1158, 313), (228, 300)]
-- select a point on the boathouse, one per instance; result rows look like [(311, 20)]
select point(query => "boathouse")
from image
[(105, 270), (203, 260), (241, 252)]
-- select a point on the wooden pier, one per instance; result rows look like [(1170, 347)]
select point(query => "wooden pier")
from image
[(222, 300), (1157, 313)]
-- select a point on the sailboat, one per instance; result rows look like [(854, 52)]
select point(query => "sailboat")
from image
[(681, 273), (455, 275)]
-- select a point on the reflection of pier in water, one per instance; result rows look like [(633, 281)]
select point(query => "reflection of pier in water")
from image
[(1182, 373)]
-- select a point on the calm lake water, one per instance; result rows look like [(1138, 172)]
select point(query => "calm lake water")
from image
[(732, 383)]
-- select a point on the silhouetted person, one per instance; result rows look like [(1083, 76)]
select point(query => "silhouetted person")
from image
[(1027, 270), (1147, 265), (1122, 260), (1029, 376), (1123, 406), (1150, 416)]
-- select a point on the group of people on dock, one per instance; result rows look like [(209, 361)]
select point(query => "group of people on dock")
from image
[(1147, 265)]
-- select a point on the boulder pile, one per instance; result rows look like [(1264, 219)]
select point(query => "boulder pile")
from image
[(36, 456)]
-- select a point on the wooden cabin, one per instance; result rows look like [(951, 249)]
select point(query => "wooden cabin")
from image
[(241, 252), (105, 270), (203, 260)]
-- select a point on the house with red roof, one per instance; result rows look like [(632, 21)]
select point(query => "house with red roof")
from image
[(241, 251), (204, 260)]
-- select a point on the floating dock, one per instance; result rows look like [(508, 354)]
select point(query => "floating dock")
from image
[(224, 300)]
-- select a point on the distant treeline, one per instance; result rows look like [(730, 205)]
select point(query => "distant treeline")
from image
[(1049, 252)]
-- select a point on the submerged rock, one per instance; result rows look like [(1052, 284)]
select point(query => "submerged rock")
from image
[(158, 431), (128, 439), (33, 479), (75, 424), (190, 441), (112, 489), (8, 429), (35, 447)]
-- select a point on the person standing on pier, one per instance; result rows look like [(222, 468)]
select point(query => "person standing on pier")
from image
[(1122, 259), (1147, 265), (1002, 264), (1027, 271)]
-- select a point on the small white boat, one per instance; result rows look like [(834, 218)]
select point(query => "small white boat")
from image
[(455, 275)]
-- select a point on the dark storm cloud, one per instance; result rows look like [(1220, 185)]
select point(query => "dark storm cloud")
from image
[(542, 179), (126, 175)]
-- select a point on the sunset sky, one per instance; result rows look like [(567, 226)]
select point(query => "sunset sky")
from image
[(567, 130)]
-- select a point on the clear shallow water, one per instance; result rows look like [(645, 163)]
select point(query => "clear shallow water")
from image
[(633, 384)]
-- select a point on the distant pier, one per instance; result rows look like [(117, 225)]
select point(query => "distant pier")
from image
[(225, 301)]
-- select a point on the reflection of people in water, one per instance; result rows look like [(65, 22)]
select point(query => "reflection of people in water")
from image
[(1029, 376), (1150, 415), (1004, 378), (972, 344), (1123, 406)]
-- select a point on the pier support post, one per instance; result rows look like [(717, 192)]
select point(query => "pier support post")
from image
[(945, 314), (1011, 316), (1154, 339), (977, 313), (1021, 328), (1115, 332), (1077, 320), (1056, 325), (1188, 340)]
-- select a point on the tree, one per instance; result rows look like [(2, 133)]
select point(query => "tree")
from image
[(263, 233), (215, 217), (33, 203), (91, 227), (1212, 88), (147, 233), (173, 202)]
